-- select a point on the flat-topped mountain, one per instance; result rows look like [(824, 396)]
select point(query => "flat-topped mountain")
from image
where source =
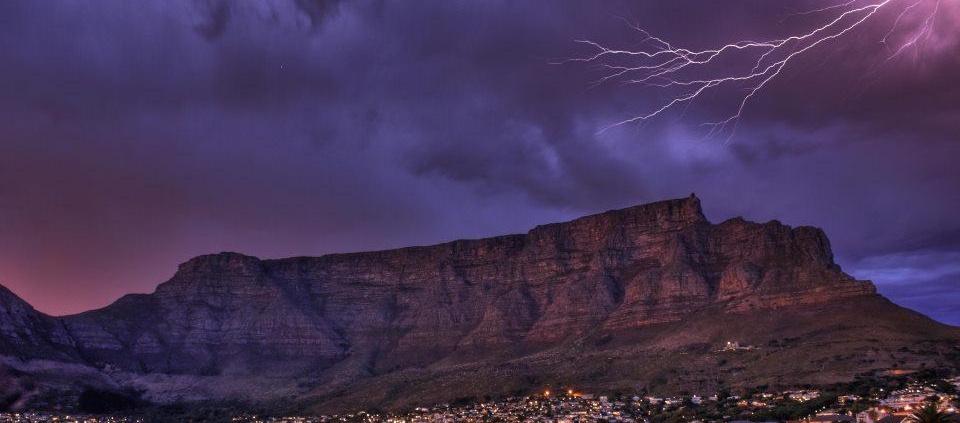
[(638, 297)]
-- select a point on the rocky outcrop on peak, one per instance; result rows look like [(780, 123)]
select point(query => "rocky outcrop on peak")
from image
[(500, 313), (26, 333)]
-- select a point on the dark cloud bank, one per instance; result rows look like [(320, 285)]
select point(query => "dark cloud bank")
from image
[(136, 135)]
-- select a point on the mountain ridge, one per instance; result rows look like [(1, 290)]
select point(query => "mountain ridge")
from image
[(327, 330)]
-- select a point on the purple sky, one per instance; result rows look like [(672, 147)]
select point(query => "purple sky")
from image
[(134, 136)]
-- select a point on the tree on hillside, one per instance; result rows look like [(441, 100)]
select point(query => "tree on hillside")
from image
[(930, 412)]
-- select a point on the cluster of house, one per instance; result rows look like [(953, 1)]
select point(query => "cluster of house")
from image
[(898, 405), (584, 408), (62, 418), (574, 407), (895, 406), (570, 408), (733, 346), (892, 407)]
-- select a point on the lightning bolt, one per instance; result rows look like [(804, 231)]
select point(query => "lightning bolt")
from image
[(680, 71)]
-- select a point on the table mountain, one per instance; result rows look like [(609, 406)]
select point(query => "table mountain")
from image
[(638, 297)]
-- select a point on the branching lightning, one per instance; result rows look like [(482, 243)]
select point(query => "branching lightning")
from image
[(686, 74)]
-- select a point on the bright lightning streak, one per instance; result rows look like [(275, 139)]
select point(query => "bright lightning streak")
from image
[(662, 65)]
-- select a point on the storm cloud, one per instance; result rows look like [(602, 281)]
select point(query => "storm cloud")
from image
[(135, 136)]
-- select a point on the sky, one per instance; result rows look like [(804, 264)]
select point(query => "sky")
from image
[(134, 136)]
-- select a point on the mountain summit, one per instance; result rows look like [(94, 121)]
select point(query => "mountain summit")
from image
[(645, 296)]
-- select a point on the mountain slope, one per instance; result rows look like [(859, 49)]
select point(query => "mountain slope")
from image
[(641, 296), (26, 333)]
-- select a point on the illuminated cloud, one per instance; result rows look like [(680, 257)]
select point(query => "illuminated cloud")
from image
[(134, 136)]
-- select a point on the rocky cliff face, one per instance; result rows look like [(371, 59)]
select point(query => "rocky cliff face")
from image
[(619, 270), (347, 317)]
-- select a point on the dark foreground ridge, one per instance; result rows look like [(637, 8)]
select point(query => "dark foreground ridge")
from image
[(638, 297)]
